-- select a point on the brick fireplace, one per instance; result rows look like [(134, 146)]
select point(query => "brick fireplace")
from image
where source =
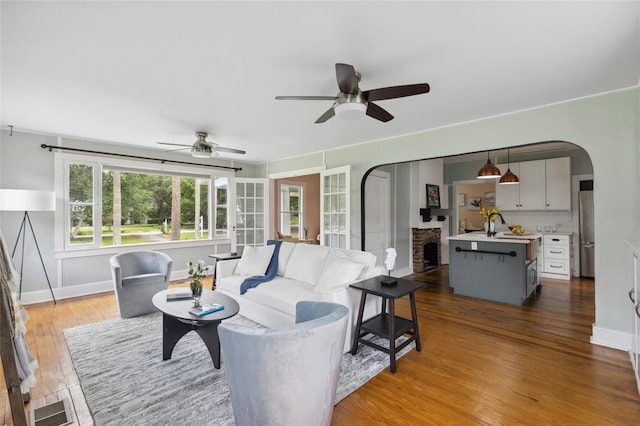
[(426, 249)]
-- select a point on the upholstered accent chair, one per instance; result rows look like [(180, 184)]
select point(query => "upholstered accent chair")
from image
[(288, 375), (137, 276)]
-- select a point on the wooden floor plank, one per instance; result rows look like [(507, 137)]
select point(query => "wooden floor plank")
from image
[(482, 363)]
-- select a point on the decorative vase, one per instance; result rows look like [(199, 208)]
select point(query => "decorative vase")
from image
[(196, 292), (490, 227)]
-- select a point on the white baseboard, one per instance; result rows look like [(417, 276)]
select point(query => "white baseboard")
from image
[(39, 296), (610, 338)]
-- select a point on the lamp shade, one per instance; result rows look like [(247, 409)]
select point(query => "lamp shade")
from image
[(27, 200), (489, 171), (509, 178)]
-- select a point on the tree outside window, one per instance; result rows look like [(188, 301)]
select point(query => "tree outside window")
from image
[(138, 207)]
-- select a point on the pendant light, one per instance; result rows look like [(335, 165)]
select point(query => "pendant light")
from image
[(489, 171), (509, 178)]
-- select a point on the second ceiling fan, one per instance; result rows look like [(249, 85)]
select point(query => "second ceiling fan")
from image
[(353, 101)]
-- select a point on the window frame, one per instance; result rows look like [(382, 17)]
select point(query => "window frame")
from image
[(300, 210), (64, 249)]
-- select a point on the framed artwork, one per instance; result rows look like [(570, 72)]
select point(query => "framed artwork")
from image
[(489, 198), (474, 203), (461, 199), (433, 196)]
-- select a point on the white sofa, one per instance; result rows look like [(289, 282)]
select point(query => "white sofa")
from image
[(305, 272)]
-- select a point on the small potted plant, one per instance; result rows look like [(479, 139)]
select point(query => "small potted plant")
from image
[(197, 272)]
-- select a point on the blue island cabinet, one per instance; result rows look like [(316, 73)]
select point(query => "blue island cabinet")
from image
[(498, 269)]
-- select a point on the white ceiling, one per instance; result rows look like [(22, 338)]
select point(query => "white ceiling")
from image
[(141, 72)]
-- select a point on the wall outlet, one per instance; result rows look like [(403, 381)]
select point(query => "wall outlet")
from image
[(474, 245)]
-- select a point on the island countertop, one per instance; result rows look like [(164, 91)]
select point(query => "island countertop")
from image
[(500, 237)]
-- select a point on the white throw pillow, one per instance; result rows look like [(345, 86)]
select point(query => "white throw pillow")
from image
[(255, 260), (305, 263), (338, 271), (286, 248)]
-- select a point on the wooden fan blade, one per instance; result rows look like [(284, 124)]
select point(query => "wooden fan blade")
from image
[(347, 79), (173, 144), (306, 98), (395, 92), (327, 115), (374, 111), (231, 150)]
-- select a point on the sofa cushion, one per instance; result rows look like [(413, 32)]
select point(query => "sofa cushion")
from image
[(231, 284), (255, 260), (338, 270), (358, 256), (306, 262), (286, 249), (282, 294)]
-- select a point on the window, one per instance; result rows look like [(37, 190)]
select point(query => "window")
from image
[(222, 207), (291, 218), (81, 203), (141, 206)]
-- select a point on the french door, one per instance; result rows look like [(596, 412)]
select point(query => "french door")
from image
[(250, 221), (335, 205)]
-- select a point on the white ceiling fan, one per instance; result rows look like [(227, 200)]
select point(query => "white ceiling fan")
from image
[(202, 148)]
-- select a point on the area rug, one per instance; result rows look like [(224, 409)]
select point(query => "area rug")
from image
[(125, 381)]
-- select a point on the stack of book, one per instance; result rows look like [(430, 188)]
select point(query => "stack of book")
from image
[(178, 293), (205, 309)]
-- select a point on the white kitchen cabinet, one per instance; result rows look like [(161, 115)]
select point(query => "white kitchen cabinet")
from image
[(508, 196), (544, 185), (558, 183), (530, 193), (557, 256)]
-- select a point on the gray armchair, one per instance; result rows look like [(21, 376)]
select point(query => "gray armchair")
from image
[(137, 276), (286, 376)]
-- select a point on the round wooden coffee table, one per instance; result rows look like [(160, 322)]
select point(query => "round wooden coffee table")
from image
[(177, 321)]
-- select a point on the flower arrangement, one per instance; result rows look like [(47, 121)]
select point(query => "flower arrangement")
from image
[(486, 213), (198, 271)]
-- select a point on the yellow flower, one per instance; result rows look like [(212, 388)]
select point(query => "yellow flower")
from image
[(485, 212)]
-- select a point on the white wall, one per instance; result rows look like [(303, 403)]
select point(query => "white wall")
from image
[(605, 126)]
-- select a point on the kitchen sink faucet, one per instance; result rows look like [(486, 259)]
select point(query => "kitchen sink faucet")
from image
[(491, 233)]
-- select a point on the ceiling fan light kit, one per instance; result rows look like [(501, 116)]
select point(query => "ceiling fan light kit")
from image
[(199, 150), (350, 106)]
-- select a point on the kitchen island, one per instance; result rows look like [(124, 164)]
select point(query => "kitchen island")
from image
[(502, 268)]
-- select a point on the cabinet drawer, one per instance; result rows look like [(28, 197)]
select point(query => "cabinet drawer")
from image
[(556, 266), (556, 252), (562, 240)]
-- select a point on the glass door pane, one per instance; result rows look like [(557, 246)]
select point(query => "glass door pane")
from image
[(251, 213), (335, 206)]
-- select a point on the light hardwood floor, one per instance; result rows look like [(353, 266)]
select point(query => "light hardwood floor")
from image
[(481, 362)]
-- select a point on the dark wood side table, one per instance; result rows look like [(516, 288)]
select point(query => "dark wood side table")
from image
[(221, 256), (177, 321), (387, 325)]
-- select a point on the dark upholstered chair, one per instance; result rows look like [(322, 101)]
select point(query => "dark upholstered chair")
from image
[(289, 375), (137, 276)]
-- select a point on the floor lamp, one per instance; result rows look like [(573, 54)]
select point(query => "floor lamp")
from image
[(27, 201)]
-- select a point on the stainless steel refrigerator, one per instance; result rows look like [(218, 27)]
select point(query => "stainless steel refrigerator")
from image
[(587, 242)]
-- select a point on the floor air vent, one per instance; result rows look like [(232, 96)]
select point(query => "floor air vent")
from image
[(54, 414)]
